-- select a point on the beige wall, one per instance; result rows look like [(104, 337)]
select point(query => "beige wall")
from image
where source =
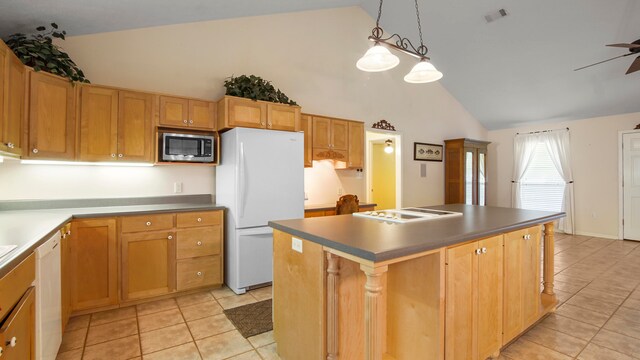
[(594, 150), (311, 57)]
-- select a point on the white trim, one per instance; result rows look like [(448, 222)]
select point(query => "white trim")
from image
[(605, 236), (620, 178)]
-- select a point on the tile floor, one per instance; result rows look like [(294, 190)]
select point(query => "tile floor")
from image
[(598, 317)]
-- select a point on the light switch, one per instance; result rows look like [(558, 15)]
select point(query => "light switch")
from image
[(177, 187), (296, 244), (423, 170)]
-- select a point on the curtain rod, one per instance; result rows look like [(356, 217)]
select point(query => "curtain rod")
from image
[(542, 131)]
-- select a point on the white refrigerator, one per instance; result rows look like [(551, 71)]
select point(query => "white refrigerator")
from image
[(260, 178)]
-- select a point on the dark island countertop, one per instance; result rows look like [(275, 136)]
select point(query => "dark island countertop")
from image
[(28, 224), (377, 240)]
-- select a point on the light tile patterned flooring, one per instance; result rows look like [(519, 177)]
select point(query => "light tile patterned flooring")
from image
[(184, 328), (598, 318)]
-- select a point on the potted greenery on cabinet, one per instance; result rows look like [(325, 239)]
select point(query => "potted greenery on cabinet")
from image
[(251, 101)]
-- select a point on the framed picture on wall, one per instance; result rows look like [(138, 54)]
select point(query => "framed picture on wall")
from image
[(427, 152)]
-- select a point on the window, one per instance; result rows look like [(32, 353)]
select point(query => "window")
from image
[(542, 187)]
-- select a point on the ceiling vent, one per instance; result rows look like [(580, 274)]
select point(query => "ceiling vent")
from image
[(495, 15)]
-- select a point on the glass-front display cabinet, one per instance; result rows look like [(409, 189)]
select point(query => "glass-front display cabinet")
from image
[(465, 171)]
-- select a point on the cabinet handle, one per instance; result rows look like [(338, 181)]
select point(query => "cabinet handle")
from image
[(170, 237), (148, 223), (12, 342), (199, 219), (199, 243), (199, 273), (68, 232), (185, 121), (35, 151)]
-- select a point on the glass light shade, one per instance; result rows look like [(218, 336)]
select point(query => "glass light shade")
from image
[(377, 58), (423, 72), (388, 149)]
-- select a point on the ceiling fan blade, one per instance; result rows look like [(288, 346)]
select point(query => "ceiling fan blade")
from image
[(604, 61), (635, 66), (628, 46)]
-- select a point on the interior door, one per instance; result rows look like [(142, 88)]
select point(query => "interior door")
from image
[(271, 176), (256, 256), (631, 183)]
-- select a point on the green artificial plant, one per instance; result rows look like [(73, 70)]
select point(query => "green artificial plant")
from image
[(255, 88), (38, 51)]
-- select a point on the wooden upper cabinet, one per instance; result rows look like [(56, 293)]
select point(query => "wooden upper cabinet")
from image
[(283, 117), (4, 54), (182, 112), (93, 263), (321, 132), (12, 96), (339, 135), (135, 115), (98, 123), (307, 127), (241, 112), (51, 120), (356, 144)]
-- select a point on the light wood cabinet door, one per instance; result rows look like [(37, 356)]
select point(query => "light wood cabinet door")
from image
[(135, 126), (93, 263), (174, 111), (521, 281), (98, 123), (461, 304), (51, 118), (489, 288), (148, 264), (20, 327), (13, 112), (321, 133), (202, 114), (283, 117), (356, 144), (246, 113), (307, 127), (339, 135)]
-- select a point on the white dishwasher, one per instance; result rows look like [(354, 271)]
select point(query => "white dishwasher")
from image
[(48, 299)]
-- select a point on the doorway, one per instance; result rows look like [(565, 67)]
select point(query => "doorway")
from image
[(384, 169), (630, 183)]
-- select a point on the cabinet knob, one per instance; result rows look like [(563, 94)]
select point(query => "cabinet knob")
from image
[(478, 251), (190, 121), (113, 155), (484, 250), (10, 145), (262, 123), (68, 232), (185, 121), (199, 219), (199, 273), (12, 342), (148, 223), (120, 155), (1, 351), (35, 151), (199, 243), (170, 237)]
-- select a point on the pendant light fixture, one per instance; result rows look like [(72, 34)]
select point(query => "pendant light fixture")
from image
[(379, 58), (388, 148)]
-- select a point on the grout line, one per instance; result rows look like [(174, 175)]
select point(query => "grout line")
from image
[(135, 308)]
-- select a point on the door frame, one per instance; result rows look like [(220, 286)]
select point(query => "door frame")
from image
[(376, 134), (621, 133)]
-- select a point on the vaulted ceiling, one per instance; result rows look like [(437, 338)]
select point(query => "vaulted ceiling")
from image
[(516, 70)]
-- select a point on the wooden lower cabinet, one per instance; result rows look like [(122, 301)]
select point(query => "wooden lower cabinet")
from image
[(93, 263), (17, 333), (198, 272), (317, 213), (148, 260), (521, 281), (474, 276)]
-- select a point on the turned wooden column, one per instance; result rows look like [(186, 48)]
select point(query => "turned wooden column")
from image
[(548, 295), (374, 313), (333, 273)]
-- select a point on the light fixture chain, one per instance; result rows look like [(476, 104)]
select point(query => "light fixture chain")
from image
[(419, 25), (379, 14)]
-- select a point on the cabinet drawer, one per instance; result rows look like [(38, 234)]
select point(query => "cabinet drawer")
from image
[(200, 218), (15, 283), (147, 223), (199, 242), (198, 272), (523, 234), (20, 327)]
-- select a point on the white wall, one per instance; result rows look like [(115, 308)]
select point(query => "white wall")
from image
[(594, 150), (310, 56)]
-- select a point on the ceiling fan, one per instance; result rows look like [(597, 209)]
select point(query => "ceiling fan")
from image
[(634, 48)]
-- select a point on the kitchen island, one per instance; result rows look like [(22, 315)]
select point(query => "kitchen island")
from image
[(462, 287)]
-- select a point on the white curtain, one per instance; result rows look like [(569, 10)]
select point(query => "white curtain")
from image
[(557, 143), (523, 148)]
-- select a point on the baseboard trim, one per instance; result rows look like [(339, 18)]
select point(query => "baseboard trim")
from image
[(606, 236)]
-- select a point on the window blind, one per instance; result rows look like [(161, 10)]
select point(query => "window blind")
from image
[(542, 187)]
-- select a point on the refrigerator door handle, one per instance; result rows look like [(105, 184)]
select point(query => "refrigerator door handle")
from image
[(242, 181)]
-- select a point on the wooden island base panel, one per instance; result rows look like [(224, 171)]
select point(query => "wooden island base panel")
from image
[(458, 288)]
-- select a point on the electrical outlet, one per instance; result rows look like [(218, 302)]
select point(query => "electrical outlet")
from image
[(296, 244), (177, 187)]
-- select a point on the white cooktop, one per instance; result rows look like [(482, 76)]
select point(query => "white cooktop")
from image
[(407, 214)]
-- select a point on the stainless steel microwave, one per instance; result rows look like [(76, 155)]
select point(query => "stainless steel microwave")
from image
[(188, 147)]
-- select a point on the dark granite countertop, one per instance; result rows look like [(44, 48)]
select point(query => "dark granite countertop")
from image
[(25, 225), (377, 240), (316, 207)]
